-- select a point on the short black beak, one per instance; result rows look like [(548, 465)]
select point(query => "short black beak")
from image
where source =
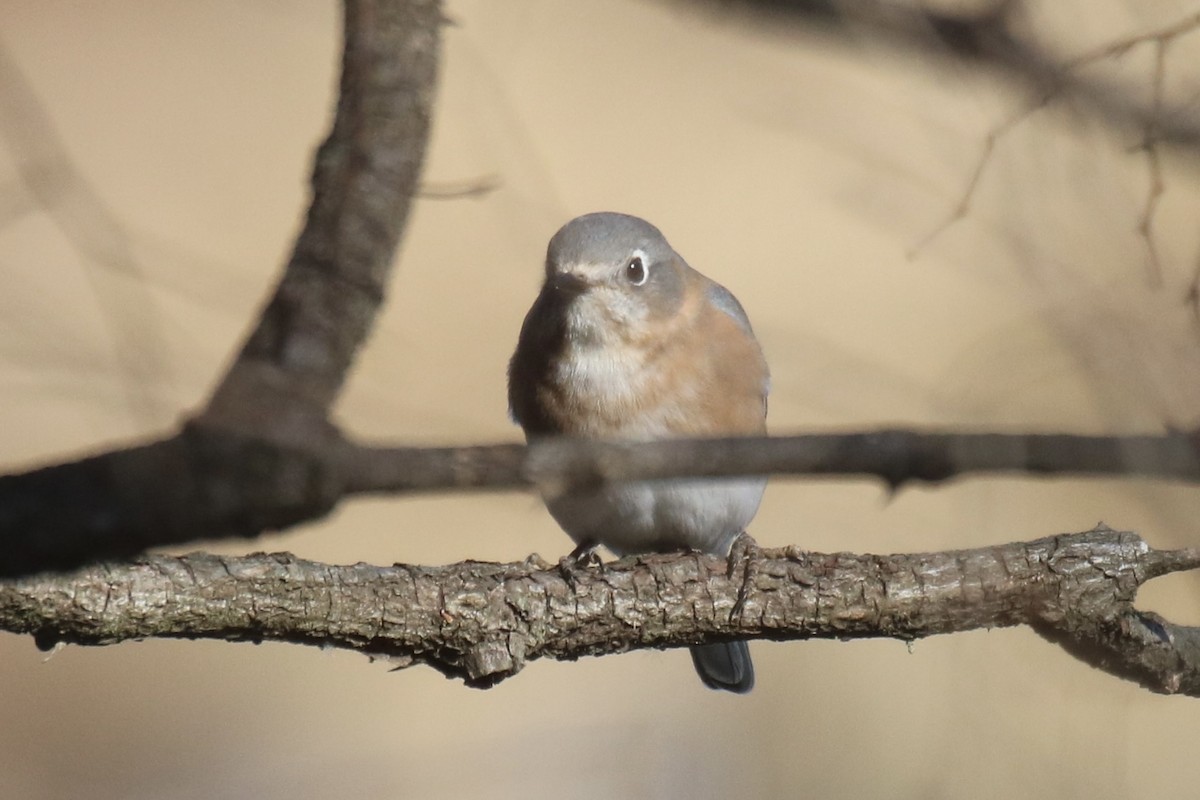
[(567, 283)]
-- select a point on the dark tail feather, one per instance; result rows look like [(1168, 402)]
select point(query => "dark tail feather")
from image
[(725, 666)]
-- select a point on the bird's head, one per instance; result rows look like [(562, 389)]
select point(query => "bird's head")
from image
[(616, 277)]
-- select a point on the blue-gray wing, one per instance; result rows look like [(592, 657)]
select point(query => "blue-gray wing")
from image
[(724, 300)]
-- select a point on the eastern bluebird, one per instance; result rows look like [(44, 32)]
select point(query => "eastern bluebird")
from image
[(626, 341)]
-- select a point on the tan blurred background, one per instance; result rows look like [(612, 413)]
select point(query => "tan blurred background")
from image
[(135, 248)]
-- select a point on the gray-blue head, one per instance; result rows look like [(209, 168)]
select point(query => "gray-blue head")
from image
[(614, 270)]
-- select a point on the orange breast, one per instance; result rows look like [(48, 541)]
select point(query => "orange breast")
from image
[(701, 374)]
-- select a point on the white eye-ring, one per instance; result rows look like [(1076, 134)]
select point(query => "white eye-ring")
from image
[(636, 271)]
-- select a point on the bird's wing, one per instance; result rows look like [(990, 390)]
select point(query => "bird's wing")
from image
[(725, 302)]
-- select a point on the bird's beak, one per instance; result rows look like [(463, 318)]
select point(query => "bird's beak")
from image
[(567, 283)]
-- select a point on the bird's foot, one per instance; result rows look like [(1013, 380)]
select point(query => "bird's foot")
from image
[(583, 557), (745, 556)]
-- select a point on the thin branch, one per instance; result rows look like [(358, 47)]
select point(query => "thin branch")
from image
[(209, 482), (483, 622), (1051, 86), (896, 456), (455, 190), (989, 39), (1160, 37), (963, 206), (1156, 187)]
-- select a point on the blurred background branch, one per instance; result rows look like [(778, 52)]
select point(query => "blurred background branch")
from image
[(210, 483), (995, 35)]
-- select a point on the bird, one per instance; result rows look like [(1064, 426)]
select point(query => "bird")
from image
[(626, 341)]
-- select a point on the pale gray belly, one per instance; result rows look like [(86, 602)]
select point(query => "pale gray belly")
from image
[(652, 516)]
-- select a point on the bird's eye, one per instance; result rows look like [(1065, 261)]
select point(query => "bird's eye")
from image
[(636, 272)]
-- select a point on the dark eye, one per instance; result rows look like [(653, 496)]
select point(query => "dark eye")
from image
[(636, 272)]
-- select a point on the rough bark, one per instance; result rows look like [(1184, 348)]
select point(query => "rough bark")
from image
[(482, 622)]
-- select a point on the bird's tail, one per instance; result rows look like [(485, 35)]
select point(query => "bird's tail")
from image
[(725, 665)]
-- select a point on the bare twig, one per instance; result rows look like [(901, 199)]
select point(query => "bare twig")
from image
[(455, 190), (482, 622), (1154, 191), (963, 206), (1053, 85), (1161, 37), (990, 40)]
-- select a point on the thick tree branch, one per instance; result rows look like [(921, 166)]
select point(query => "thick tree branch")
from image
[(246, 464), (482, 622), (365, 176)]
